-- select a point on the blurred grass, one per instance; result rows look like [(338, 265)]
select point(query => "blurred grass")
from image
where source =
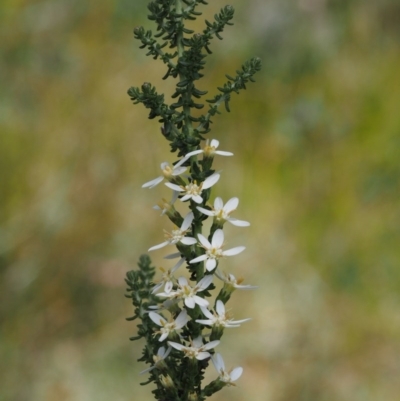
[(316, 167)]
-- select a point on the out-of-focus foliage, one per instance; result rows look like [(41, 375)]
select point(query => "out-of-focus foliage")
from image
[(316, 167)]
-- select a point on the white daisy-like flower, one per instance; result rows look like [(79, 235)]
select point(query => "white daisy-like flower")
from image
[(209, 150), (168, 172), (219, 319), (167, 277), (197, 349), (178, 235), (158, 359), (188, 293), (222, 213), (193, 190), (169, 327), (233, 283), (226, 376), (214, 250)]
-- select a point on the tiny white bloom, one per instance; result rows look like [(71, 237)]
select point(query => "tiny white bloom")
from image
[(219, 319), (231, 281), (167, 277), (192, 190), (197, 349), (214, 250), (169, 327), (158, 359), (178, 235), (226, 376), (166, 206), (167, 173), (209, 150), (222, 213), (188, 293)]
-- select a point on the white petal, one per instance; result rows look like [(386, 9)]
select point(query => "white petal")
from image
[(182, 281), (179, 163), (211, 344), (234, 251), (218, 238), (157, 287), (202, 355), (174, 186), (204, 241), (152, 183), (182, 319), (177, 346), (210, 264), (200, 301), (218, 204), (205, 322), (163, 337), (188, 240), (197, 198), (218, 362), (231, 205), (238, 223), (198, 341), (236, 373), (173, 255), (194, 152), (178, 170), (198, 259), (214, 143), (190, 303), (187, 221), (205, 282), (147, 370), (185, 198), (205, 211), (158, 246), (206, 312), (178, 265), (157, 319), (168, 286), (241, 321), (223, 153), (163, 165), (220, 308), (210, 181), (246, 287)]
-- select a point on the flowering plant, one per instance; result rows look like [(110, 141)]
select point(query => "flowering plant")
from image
[(179, 322)]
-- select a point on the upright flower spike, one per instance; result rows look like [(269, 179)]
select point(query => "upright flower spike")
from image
[(214, 250), (192, 180)]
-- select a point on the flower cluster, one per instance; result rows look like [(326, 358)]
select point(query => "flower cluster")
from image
[(186, 321)]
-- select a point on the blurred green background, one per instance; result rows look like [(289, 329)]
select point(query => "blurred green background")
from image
[(316, 167)]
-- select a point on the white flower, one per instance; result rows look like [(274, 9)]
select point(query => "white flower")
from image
[(192, 190), (167, 173), (178, 235), (158, 359), (209, 150), (166, 206), (219, 319), (169, 327), (188, 293), (214, 250), (221, 213), (167, 277), (232, 282), (227, 377), (197, 349)]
